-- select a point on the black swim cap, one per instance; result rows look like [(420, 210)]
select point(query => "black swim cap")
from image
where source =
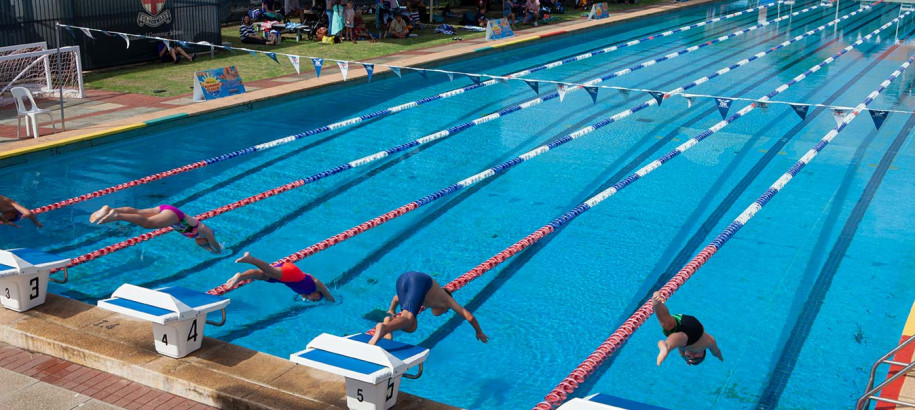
[(695, 360)]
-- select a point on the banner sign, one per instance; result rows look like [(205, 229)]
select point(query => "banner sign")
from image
[(498, 29), (217, 83), (599, 11)]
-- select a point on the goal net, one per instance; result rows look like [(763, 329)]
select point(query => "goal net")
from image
[(34, 66)]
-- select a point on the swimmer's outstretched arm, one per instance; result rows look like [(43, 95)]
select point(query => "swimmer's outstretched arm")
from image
[(394, 303), (469, 317), (211, 244), (323, 290), (25, 212), (714, 348)]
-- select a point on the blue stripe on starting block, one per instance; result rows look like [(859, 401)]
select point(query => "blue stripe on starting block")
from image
[(343, 362), (622, 403), (35, 257), (193, 298), (399, 350), (139, 307)]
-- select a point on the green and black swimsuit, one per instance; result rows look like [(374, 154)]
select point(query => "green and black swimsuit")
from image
[(689, 325)]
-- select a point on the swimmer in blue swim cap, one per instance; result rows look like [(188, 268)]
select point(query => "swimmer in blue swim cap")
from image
[(684, 333), (415, 290)]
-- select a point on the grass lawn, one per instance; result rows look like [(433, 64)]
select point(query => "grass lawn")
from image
[(176, 79)]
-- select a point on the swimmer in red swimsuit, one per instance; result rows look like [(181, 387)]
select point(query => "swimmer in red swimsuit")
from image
[(684, 333), (305, 285), (11, 212), (160, 217)]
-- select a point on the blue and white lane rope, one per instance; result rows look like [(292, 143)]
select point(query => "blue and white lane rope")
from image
[(409, 207), (638, 318), (366, 117)]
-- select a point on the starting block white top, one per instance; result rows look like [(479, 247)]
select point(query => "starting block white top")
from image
[(162, 305), (602, 401), (352, 357), (25, 261)]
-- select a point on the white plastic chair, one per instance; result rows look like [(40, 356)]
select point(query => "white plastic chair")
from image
[(20, 94)]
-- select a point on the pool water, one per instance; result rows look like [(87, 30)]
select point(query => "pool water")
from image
[(801, 301)]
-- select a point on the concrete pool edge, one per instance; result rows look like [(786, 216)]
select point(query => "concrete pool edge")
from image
[(52, 144), (220, 374), (903, 388)]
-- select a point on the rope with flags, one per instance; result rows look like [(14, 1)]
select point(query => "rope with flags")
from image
[(356, 120), (409, 207), (637, 319)]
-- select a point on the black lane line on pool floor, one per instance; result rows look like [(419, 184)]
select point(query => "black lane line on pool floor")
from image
[(435, 213), (778, 378)]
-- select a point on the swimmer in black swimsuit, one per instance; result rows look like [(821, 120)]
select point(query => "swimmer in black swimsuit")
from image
[(683, 332), (415, 290), (11, 212)]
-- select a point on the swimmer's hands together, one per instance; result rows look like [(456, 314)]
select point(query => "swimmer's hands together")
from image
[(482, 337)]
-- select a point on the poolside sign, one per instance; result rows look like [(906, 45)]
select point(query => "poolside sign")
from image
[(217, 83), (599, 11), (498, 28)]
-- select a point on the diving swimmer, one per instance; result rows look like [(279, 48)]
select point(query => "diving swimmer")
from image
[(160, 217), (415, 290), (683, 332), (307, 286), (12, 212)]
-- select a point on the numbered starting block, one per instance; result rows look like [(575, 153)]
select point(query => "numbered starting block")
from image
[(372, 373), (24, 276), (178, 314), (602, 401)]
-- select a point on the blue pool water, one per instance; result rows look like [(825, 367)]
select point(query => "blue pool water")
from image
[(802, 300)]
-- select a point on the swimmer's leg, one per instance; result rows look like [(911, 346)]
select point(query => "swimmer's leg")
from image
[(406, 321), (668, 322), (268, 269), (149, 218)]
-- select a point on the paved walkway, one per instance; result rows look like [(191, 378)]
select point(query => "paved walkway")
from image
[(33, 381)]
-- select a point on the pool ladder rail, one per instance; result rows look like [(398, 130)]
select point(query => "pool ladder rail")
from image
[(872, 390)]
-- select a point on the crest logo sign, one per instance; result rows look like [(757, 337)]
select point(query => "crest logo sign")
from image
[(155, 15)]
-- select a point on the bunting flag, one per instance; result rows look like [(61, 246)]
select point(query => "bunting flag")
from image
[(878, 116), (801, 110), (105, 32), (252, 53), (623, 91), (207, 43), (168, 45), (592, 91), (450, 76), (184, 44), (658, 96), (474, 78), (127, 39), (273, 56), (295, 63), (503, 80), (762, 105), (689, 102), (395, 70), (318, 63), (344, 68), (838, 114), (724, 105), (87, 33), (369, 69), (561, 88), (534, 86), (422, 73), (70, 32)]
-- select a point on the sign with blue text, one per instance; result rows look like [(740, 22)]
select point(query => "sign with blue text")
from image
[(599, 11), (217, 83)]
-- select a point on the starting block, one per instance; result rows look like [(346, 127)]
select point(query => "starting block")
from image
[(24, 276), (602, 401), (372, 373), (178, 314)]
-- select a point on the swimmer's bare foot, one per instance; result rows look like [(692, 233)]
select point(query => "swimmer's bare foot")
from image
[(233, 280), (379, 330), (246, 258), (662, 346), (99, 214), (109, 217)]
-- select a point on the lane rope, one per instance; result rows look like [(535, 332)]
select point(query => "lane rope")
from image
[(373, 115)]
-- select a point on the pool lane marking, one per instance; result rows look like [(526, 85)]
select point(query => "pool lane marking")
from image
[(384, 218), (616, 340), (356, 120)]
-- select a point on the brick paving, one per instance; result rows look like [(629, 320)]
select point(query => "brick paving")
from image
[(96, 384)]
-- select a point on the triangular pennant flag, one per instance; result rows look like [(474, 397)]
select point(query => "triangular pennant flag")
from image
[(252, 53), (395, 70), (623, 91), (724, 105), (801, 110), (503, 80), (295, 63), (689, 102), (763, 105), (838, 114), (87, 33), (561, 88), (168, 45), (344, 68), (878, 116), (369, 69), (592, 91), (70, 32), (534, 86), (273, 56), (474, 78), (184, 44), (105, 32), (450, 76), (318, 62), (127, 39), (422, 73), (658, 96)]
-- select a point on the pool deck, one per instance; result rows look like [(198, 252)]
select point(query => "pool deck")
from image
[(903, 389), (104, 112)]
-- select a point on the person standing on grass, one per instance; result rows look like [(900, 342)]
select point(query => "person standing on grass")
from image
[(337, 22), (349, 17), (684, 333)]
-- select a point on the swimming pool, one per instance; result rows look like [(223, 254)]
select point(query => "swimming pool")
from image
[(802, 301)]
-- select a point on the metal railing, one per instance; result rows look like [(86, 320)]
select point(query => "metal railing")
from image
[(870, 393)]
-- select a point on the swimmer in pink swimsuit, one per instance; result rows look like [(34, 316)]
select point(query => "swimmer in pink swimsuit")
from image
[(160, 217)]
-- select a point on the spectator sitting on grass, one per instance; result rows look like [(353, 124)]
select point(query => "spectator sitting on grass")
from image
[(478, 19), (268, 7), (172, 52), (247, 34), (508, 13), (531, 12), (360, 31), (398, 27)]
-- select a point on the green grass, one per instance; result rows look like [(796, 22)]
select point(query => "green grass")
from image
[(177, 79)]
